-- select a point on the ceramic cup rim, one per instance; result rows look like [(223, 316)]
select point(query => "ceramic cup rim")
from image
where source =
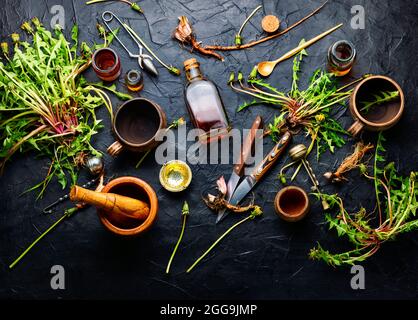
[(374, 124), (147, 223), (280, 210), (149, 141)]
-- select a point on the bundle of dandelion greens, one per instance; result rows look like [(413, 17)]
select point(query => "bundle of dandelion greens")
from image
[(46, 105), (310, 109)]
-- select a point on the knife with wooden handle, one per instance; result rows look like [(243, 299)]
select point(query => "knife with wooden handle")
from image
[(261, 169), (238, 171)]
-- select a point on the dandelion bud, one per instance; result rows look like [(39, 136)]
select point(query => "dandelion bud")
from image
[(136, 7), (231, 78), (101, 29), (256, 212), (15, 38), (240, 76), (185, 210), (363, 168), (253, 74), (320, 117), (282, 178), (36, 22), (174, 71), (238, 40), (4, 48), (27, 27)]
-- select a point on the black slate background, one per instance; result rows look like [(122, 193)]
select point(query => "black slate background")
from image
[(265, 259)]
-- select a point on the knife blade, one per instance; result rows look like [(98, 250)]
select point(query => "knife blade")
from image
[(238, 170), (260, 170)]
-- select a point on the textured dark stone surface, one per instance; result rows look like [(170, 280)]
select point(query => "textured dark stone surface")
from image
[(265, 259)]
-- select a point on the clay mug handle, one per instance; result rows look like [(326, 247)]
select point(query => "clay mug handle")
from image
[(115, 148), (356, 127)]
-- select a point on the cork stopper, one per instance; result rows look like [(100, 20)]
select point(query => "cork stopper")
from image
[(191, 63), (270, 24)]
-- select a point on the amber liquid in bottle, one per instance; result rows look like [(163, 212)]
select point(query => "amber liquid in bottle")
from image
[(341, 57), (204, 104)]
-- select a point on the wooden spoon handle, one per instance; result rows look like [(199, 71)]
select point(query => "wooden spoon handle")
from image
[(292, 52)]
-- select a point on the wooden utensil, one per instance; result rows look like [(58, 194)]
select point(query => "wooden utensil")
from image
[(265, 68), (111, 202)]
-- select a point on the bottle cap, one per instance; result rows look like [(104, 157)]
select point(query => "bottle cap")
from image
[(190, 63)]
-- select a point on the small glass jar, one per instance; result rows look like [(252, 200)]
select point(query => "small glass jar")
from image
[(134, 80), (106, 64), (341, 57)]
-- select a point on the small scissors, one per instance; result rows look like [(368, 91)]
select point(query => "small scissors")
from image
[(144, 60)]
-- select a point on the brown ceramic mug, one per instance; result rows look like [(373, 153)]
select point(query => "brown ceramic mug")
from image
[(380, 117), (134, 188), (136, 125), (292, 204)]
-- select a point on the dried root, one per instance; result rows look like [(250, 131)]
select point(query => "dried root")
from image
[(218, 203), (351, 162)]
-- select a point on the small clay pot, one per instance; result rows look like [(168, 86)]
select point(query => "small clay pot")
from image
[(136, 126), (291, 204), (137, 189), (381, 117)]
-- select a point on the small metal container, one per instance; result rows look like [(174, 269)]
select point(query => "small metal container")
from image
[(175, 176)]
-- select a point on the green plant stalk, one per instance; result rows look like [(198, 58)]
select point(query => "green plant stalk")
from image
[(133, 5), (67, 214), (174, 124), (185, 213), (216, 243), (170, 68), (142, 159), (238, 38)]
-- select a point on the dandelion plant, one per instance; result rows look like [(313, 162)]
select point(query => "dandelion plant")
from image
[(310, 109), (397, 206), (46, 105), (184, 214)]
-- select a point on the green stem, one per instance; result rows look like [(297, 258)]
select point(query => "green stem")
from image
[(142, 159), (248, 19), (177, 244), (216, 242), (66, 214)]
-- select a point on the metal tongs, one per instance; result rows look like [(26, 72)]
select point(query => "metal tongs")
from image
[(144, 60)]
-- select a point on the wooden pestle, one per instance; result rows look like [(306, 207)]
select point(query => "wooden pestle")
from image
[(111, 202)]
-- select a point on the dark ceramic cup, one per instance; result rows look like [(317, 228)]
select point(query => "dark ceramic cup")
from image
[(136, 125), (381, 117), (292, 204)]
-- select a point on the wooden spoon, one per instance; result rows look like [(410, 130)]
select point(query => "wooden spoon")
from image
[(265, 68)]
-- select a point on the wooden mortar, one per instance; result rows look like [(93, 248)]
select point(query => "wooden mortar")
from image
[(133, 188)]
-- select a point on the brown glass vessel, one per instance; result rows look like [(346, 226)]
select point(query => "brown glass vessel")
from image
[(204, 104)]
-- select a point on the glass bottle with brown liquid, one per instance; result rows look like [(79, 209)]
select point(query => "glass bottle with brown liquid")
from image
[(341, 57), (204, 104)]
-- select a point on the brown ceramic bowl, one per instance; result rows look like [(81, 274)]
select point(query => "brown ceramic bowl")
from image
[(381, 117), (136, 125), (134, 188), (291, 204)]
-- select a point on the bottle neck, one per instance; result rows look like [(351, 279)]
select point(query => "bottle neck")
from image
[(193, 74)]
